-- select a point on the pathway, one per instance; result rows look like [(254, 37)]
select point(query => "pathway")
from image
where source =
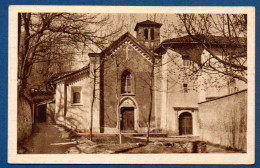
[(48, 139)]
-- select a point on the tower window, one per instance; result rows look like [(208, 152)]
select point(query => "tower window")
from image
[(152, 34), (126, 82), (185, 88), (146, 34)]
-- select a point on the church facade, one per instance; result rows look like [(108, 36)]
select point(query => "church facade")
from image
[(132, 80)]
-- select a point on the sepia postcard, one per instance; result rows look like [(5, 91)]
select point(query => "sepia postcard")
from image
[(131, 85)]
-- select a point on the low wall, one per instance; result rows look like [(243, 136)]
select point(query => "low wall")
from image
[(24, 118), (223, 121)]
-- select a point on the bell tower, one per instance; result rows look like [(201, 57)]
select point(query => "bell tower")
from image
[(148, 33)]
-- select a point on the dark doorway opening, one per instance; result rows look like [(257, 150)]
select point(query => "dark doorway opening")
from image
[(185, 124), (41, 117), (127, 121)]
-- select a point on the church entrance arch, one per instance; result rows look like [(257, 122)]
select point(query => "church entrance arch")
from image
[(127, 115)]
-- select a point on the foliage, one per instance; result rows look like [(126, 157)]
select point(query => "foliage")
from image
[(223, 37), (48, 42)]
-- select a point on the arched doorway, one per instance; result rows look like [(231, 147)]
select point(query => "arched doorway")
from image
[(127, 115), (185, 123)]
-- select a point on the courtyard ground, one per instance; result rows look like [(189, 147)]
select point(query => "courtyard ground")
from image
[(47, 139), (54, 139)]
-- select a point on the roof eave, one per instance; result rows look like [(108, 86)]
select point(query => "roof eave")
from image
[(57, 80), (151, 25), (173, 42)]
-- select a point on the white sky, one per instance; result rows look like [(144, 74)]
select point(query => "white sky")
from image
[(130, 21)]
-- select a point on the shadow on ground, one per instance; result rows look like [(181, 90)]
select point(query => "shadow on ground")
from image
[(54, 139)]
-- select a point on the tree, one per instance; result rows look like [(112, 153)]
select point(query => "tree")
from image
[(151, 90), (53, 38), (225, 32)]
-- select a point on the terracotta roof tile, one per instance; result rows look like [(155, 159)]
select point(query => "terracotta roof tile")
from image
[(209, 39)]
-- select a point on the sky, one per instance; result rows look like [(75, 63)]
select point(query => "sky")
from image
[(129, 22)]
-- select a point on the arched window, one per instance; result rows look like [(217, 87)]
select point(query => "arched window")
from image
[(146, 34), (152, 34), (126, 82)]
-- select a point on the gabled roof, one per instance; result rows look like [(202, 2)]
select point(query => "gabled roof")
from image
[(68, 75), (57, 75), (148, 23), (127, 36)]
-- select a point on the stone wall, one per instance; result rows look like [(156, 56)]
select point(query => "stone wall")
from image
[(223, 121), (24, 118)]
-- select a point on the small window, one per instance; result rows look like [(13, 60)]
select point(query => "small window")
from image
[(185, 88), (146, 34), (186, 61), (152, 34), (76, 95)]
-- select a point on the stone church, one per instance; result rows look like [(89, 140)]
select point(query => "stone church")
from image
[(132, 76)]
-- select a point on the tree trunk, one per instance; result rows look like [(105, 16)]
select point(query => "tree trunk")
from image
[(92, 103), (23, 47), (151, 102), (117, 98)]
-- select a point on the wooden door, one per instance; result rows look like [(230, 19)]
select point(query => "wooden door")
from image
[(185, 124), (127, 121)]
